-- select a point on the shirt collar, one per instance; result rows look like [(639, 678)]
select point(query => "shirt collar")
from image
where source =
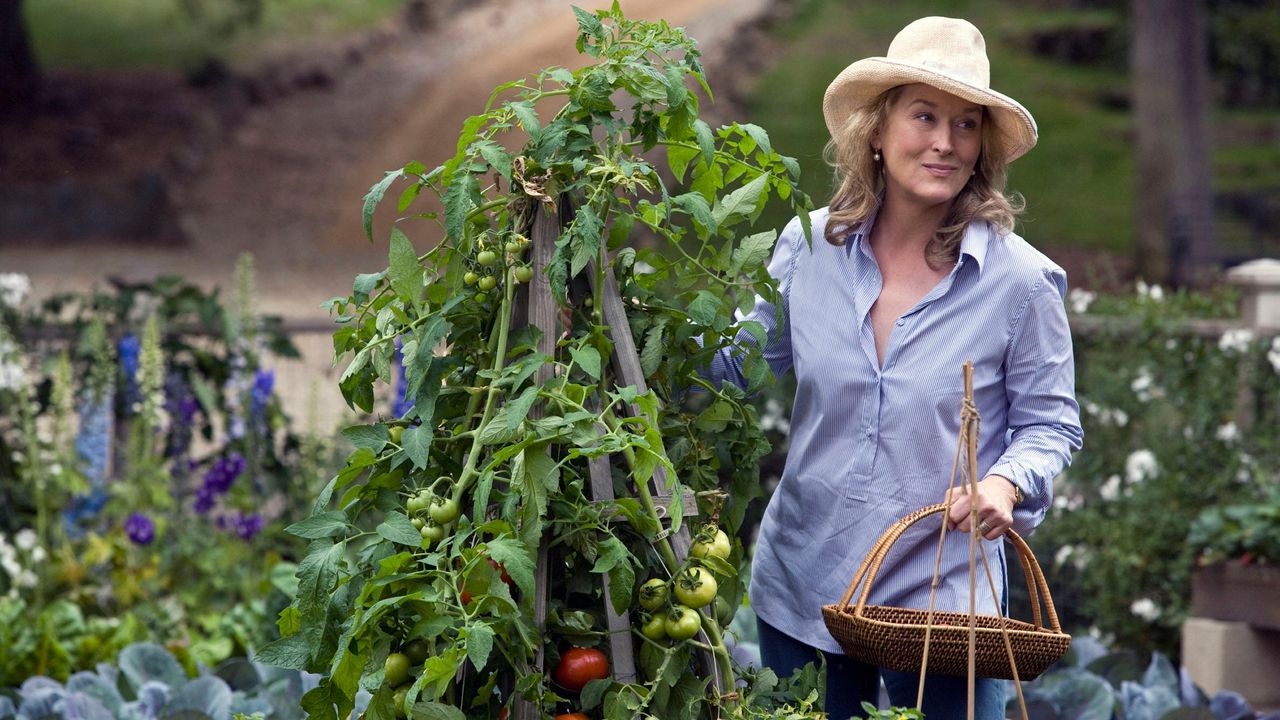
[(977, 237)]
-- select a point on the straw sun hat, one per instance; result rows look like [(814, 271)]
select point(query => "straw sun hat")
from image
[(948, 54)]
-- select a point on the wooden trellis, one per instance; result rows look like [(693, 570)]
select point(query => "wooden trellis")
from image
[(539, 310)]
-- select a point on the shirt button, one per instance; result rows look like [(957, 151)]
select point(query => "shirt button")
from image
[(901, 322)]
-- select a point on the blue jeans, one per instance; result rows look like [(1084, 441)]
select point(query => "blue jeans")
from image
[(850, 682)]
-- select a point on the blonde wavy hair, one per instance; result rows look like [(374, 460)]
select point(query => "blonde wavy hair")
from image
[(858, 183)]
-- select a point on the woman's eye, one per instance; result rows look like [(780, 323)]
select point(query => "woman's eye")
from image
[(927, 117)]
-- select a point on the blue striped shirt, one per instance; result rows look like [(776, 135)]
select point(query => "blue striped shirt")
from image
[(869, 444)]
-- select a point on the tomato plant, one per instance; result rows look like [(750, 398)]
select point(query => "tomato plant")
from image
[(507, 416)]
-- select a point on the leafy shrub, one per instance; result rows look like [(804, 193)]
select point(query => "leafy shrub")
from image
[(149, 684), (1163, 441)]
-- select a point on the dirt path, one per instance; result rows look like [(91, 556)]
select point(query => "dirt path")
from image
[(287, 183)]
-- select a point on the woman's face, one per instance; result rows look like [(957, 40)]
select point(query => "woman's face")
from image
[(930, 143)]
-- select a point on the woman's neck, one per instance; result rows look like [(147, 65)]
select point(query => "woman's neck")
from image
[(900, 226)]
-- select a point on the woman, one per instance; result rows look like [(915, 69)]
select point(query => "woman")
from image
[(913, 269)]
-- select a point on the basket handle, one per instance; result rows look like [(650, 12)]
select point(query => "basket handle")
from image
[(870, 567)]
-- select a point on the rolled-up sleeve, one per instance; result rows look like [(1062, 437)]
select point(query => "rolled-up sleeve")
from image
[(728, 363), (1044, 417)]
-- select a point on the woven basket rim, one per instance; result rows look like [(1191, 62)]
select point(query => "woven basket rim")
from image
[(850, 614)]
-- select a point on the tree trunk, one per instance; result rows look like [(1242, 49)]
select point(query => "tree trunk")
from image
[(19, 73), (1170, 86)]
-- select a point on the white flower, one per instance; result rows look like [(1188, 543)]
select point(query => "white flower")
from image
[(1153, 293), (1171, 344), (1110, 490), (1144, 386), (1235, 340), (1145, 608), (1063, 555), (14, 288), (1140, 465), (1273, 355), (1228, 432), (38, 554), (1080, 300), (25, 539), (12, 376)]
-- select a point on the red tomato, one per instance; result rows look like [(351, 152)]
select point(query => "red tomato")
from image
[(505, 577), (578, 666), (572, 716)]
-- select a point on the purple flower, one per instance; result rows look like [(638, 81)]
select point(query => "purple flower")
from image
[(128, 352), (402, 405), (140, 529), (264, 382), (218, 480), (246, 526), (182, 407), (93, 443)]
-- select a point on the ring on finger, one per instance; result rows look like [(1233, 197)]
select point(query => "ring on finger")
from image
[(984, 527)]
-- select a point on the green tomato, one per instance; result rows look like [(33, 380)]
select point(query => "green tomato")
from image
[(682, 623), (416, 504), (653, 594), (480, 297), (513, 247), (396, 669), (724, 611), (418, 522), (710, 543), (444, 510), (524, 274), (487, 283), (696, 587), (417, 651), (432, 532), (395, 432), (653, 626), (470, 278), (398, 700), (486, 257)]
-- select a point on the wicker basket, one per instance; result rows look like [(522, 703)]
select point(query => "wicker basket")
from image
[(894, 638)]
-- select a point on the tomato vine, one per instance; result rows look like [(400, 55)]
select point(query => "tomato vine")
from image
[(424, 547)]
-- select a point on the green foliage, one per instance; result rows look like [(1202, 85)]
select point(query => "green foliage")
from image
[(1164, 440), (179, 34), (1247, 532), (89, 438), (508, 432)]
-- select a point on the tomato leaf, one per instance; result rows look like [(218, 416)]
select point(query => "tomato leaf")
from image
[(479, 644), (436, 711), (587, 358), (317, 577), (587, 232), (515, 557), (374, 196), (504, 427), (752, 251), (593, 693), (290, 651), (372, 437), (622, 580), (416, 442), (397, 528), (404, 270), (758, 134), (326, 524), (706, 141), (740, 203)]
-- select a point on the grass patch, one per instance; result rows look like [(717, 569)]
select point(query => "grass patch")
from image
[(160, 35), (1078, 181)]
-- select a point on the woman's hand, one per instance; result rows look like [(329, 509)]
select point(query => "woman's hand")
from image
[(996, 496)]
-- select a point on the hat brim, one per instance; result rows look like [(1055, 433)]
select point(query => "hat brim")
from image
[(864, 80)]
